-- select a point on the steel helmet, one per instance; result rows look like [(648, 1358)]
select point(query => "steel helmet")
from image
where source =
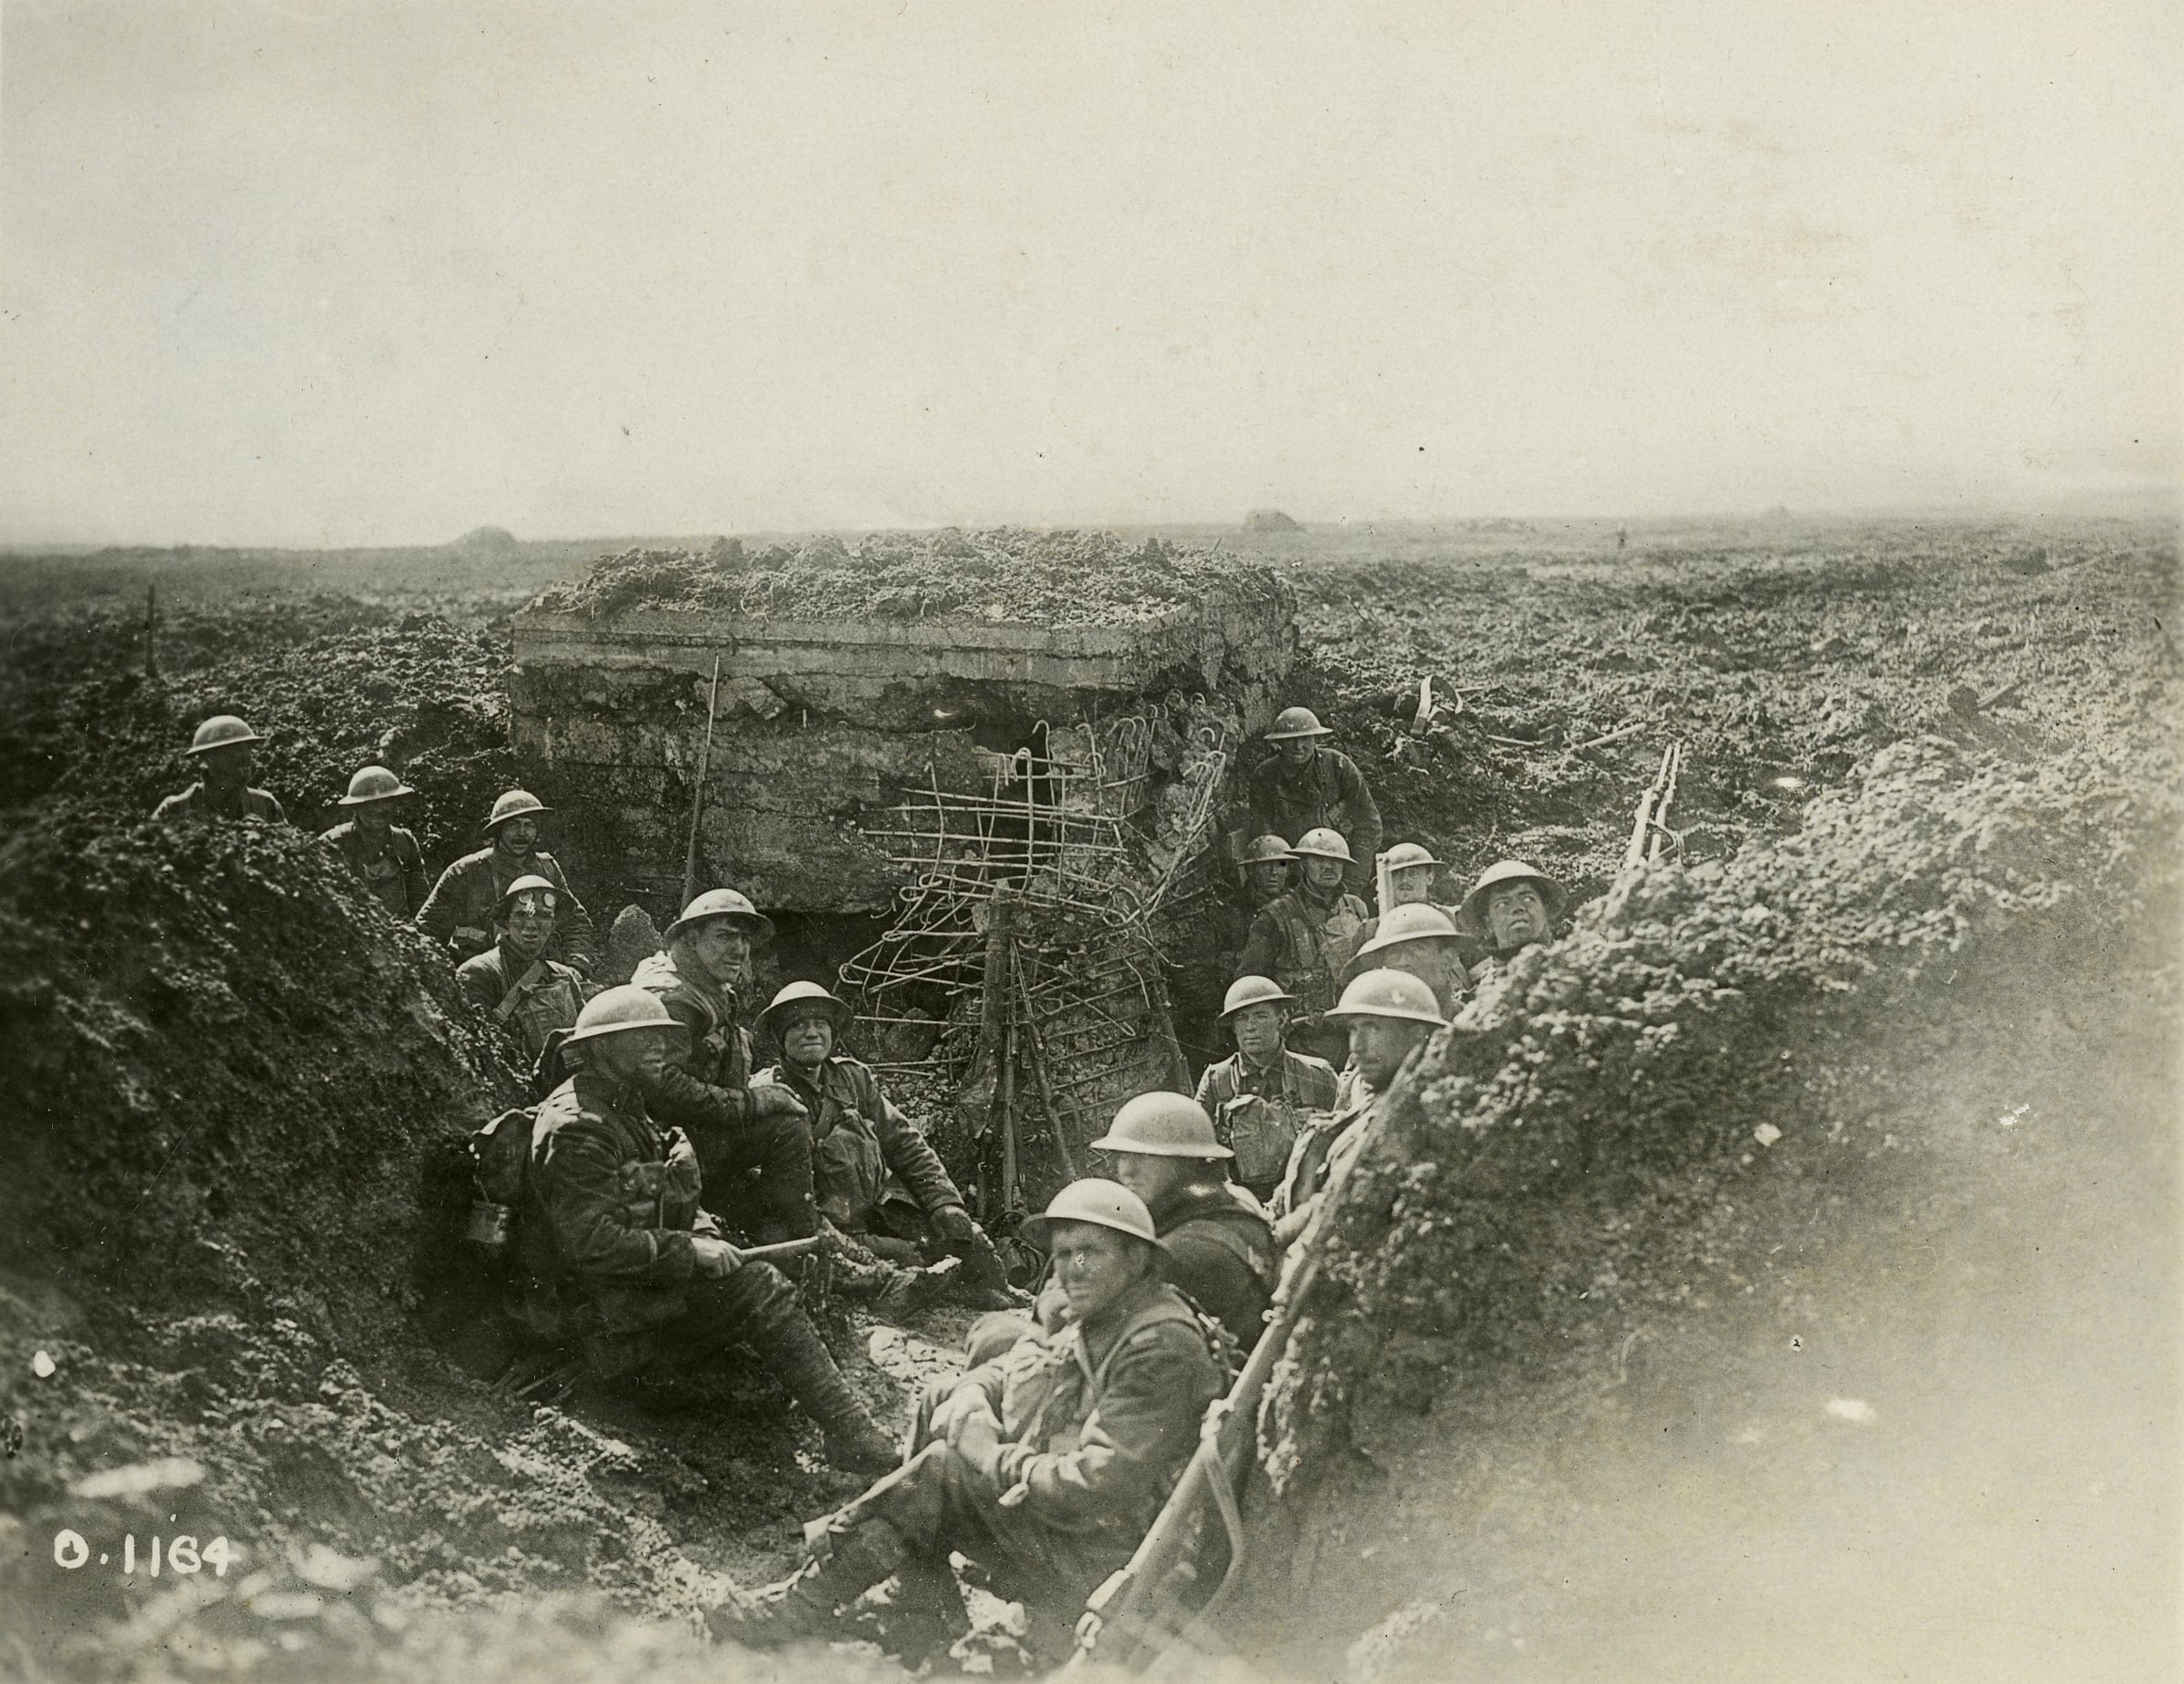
[(1324, 844), (1416, 922), (1162, 1125), (613, 1010), (1390, 994), (221, 731), (722, 903), (1470, 917), (1266, 850), (374, 783), (796, 993), (1253, 992), (515, 803), (1403, 855), (1103, 1204), (1295, 722), (526, 885)]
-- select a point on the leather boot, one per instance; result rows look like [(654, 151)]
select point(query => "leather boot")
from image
[(803, 1603), (854, 1440)]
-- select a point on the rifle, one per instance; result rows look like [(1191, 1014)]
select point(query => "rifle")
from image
[(1124, 1621), (1649, 834), (697, 794)]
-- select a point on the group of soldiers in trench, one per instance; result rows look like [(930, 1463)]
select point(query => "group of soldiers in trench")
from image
[(659, 1158)]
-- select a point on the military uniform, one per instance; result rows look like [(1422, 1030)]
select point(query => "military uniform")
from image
[(1095, 1422), (1322, 1149), (865, 1153), (394, 873), (1261, 1134), (606, 1258), (459, 910), (1327, 790), (530, 1002), (200, 801), (1297, 940), (705, 1092), (1221, 1254)]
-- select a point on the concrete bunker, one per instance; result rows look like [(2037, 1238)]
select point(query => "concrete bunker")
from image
[(1008, 754)]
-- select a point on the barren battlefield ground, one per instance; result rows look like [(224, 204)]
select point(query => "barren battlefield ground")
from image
[(1776, 1278)]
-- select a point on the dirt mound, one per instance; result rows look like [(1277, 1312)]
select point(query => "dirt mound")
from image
[(333, 684), (1617, 1134), (233, 1182), (1002, 573)]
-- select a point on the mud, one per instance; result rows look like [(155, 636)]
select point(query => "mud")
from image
[(1931, 800)]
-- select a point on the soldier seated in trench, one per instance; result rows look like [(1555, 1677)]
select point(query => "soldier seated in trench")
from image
[(878, 1182), (1258, 1095), (532, 997), (1390, 1014), (616, 1256), (459, 910), (1512, 906), (751, 1137), (1045, 1466)]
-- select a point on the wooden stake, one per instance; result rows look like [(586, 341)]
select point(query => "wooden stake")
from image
[(697, 794)]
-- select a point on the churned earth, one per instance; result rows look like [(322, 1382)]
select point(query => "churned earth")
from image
[(1776, 1280)]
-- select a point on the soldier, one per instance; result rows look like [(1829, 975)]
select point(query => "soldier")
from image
[(1220, 1248), (1411, 869), (1257, 1095), (1423, 940), (1306, 786), (1045, 1466), (527, 994), (459, 910), (1208, 965), (617, 1256), (1391, 1015), (875, 1177), (1512, 905), (751, 1136), (384, 857), (222, 747), (1299, 938)]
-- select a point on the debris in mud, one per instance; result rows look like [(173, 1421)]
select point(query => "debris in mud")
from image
[(1003, 573)]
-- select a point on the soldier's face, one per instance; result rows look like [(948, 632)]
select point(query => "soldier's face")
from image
[(806, 1038), (1409, 886), (1515, 914), (530, 926), (1377, 1046), (1322, 873), (1152, 1179), (1094, 1265), (722, 950), (1295, 750), (1270, 877), (517, 835), (229, 765), (373, 818), (637, 1056), (1258, 1031)]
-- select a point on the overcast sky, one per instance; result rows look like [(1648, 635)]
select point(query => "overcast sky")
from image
[(370, 273)]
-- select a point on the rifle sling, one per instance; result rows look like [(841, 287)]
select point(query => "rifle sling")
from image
[(507, 1008)]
